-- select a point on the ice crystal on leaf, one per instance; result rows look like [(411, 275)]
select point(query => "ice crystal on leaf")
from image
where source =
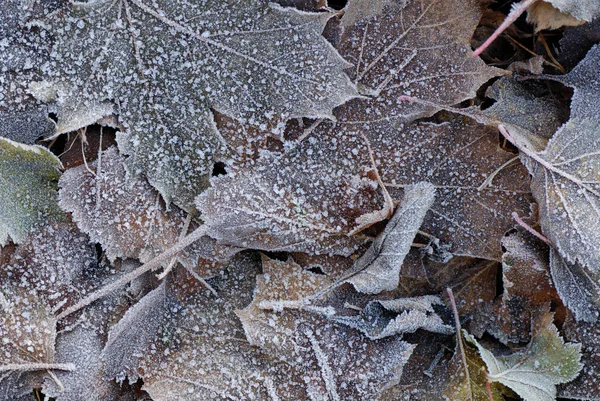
[(164, 64)]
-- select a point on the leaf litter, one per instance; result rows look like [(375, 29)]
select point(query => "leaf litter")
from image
[(248, 127)]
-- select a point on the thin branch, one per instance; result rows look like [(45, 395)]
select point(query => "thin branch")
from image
[(151, 265), (516, 11), (459, 339), (27, 367)]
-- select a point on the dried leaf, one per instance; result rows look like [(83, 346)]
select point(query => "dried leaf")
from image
[(566, 175), (378, 268), (128, 218), (577, 290), (279, 205), (325, 354), (377, 318), (28, 197), (534, 372), (586, 10), (528, 290), (163, 64), (587, 385), (544, 16)]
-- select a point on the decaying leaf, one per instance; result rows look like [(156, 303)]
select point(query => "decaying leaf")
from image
[(586, 10), (163, 64), (587, 385), (534, 372), (304, 200), (544, 16), (376, 319), (278, 322), (528, 290), (378, 268), (128, 218), (28, 189)]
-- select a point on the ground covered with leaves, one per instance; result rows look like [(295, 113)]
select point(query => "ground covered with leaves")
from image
[(295, 200)]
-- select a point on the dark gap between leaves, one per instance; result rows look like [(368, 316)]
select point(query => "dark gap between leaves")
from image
[(219, 168), (337, 4)]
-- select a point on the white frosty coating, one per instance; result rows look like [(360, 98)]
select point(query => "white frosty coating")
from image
[(334, 361), (27, 336), (21, 117), (413, 314), (163, 64), (28, 196), (127, 217), (586, 10), (586, 385), (579, 292), (379, 268), (82, 348), (305, 200), (422, 49), (534, 372)]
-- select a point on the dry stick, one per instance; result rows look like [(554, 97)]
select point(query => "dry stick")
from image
[(151, 265), (512, 16), (459, 339), (25, 367), (182, 234)]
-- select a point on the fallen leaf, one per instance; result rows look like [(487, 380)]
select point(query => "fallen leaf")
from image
[(544, 16), (380, 319), (378, 268), (534, 372), (164, 64), (28, 189), (128, 218), (586, 10)]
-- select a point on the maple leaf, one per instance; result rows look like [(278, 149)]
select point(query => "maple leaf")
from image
[(28, 196), (164, 64), (534, 372), (128, 218), (279, 204)]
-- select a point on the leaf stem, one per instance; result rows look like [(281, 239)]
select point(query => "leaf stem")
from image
[(151, 265), (511, 17), (26, 367), (459, 339)]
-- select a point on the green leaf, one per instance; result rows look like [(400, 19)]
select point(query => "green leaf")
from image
[(534, 372), (28, 189)]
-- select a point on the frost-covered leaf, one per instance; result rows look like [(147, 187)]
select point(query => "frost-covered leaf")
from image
[(82, 348), (521, 105), (22, 118), (534, 372), (586, 10), (378, 269), (528, 289), (27, 333), (128, 218), (377, 319), (544, 16), (576, 42), (337, 362), (566, 174), (304, 200), (577, 290), (28, 184), (587, 385), (164, 64)]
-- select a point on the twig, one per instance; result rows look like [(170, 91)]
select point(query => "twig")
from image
[(151, 265), (26, 367), (530, 229), (459, 339), (516, 11)]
